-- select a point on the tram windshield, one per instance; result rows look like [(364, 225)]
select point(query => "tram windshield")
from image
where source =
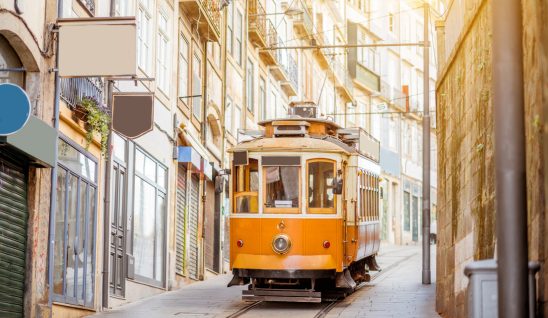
[(246, 187), (281, 189)]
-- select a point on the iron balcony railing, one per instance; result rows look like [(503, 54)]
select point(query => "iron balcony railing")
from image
[(89, 5), (257, 17), (74, 89), (212, 9), (290, 69)]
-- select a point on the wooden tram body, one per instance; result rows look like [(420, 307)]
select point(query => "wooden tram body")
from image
[(292, 236)]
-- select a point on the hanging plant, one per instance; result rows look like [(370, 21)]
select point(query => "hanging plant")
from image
[(97, 121)]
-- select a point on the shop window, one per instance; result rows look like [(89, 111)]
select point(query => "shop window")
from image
[(150, 209), (320, 177), (74, 256), (246, 187)]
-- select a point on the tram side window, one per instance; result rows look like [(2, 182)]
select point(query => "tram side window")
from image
[(281, 188), (321, 198), (246, 187)]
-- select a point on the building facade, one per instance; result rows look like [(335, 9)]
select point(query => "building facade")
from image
[(466, 201), (148, 215)]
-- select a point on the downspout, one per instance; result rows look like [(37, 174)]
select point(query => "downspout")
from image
[(510, 172), (244, 66), (53, 194), (203, 137), (222, 123), (106, 220)]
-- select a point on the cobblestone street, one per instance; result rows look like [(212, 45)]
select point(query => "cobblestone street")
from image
[(395, 292)]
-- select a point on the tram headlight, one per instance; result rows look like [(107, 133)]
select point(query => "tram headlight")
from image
[(281, 244)]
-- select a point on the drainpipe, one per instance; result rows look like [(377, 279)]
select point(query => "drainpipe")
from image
[(53, 194), (106, 219), (222, 123), (204, 142), (510, 171)]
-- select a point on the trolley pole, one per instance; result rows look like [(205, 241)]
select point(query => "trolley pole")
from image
[(426, 154)]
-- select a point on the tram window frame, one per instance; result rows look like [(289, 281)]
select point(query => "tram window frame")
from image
[(280, 210), (247, 170), (320, 210)]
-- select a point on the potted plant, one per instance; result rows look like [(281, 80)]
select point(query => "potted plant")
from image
[(95, 119)]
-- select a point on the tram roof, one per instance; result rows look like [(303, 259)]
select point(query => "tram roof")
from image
[(293, 144), (310, 120)]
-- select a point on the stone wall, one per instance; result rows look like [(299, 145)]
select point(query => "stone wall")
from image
[(466, 181)]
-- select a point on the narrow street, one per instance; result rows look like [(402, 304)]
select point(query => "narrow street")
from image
[(394, 292)]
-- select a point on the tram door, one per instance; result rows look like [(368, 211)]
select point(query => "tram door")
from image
[(415, 218)]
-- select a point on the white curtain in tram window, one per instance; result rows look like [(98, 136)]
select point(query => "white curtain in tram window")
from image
[(272, 174), (290, 180)]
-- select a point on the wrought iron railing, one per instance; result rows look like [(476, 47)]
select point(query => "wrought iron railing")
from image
[(272, 35), (74, 89), (257, 17), (290, 69), (213, 10), (89, 5)]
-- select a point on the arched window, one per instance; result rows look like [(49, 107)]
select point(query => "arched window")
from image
[(10, 60)]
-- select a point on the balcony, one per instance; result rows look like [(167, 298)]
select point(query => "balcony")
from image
[(257, 23), (343, 82), (322, 55), (393, 95), (290, 68), (74, 89), (367, 78), (209, 24), (270, 56), (303, 22)]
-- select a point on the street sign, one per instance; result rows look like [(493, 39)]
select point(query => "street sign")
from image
[(132, 114), (14, 108)]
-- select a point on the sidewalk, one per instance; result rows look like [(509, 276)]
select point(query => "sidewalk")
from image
[(398, 292)]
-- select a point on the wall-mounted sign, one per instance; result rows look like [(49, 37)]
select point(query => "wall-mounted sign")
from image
[(97, 47), (132, 114), (14, 108), (381, 107)]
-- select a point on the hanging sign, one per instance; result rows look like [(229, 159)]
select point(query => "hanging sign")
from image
[(132, 114), (97, 47), (14, 108)]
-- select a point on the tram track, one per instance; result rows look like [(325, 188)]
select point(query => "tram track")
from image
[(331, 304)]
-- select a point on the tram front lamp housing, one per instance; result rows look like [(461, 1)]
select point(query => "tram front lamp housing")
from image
[(281, 244)]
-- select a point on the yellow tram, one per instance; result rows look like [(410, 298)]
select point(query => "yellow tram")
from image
[(305, 208)]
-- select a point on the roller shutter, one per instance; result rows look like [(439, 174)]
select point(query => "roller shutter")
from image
[(193, 227), (13, 238), (181, 220)]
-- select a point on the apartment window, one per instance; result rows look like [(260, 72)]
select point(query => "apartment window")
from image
[(74, 256), (122, 8), (149, 217), (196, 86), (238, 38), (144, 35), (237, 120), (183, 67), (230, 31), (262, 99), (392, 135), (162, 56), (228, 115), (250, 87)]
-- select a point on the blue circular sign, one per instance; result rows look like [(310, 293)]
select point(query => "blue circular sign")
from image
[(14, 108)]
